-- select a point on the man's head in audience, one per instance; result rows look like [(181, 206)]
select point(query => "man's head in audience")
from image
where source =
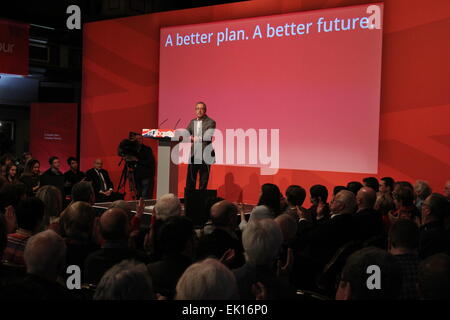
[(365, 198), (343, 203), (288, 227), (386, 185), (435, 208), (167, 206), (78, 221), (318, 193), (83, 191), (262, 241), (354, 186), (371, 182), (29, 214), (73, 163), (45, 255), (122, 204), (422, 189), (98, 164), (54, 163), (403, 237), (224, 215), (176, 236), (403, 196), (207, 280), (295, 195), (117, 281), (114, 226), (434, 277), (360, 280)]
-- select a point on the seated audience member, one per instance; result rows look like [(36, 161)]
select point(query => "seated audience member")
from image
[(78, 223), (336, 189), (26, 156), (114, 229), (224, 217), (268, 206), (422, 190), (372, 182), (73, 175), (385, 201), (355, 279), (29, 214), (295, 196), (53, 176), (207, 280), (5, 160), (127, 280), (404, 203), (83, 191), (11, 174), (44, 257), (102, 183), (434, 277), (31, 177), (176, 239), (434, 237), (368, 221), (53, 202), (320, 210), (403, 244), (354, 186), (262, 240)]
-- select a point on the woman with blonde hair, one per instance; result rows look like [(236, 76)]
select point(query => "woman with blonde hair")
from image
[(52, 198)]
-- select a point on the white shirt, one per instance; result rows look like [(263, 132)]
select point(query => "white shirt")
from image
[(198, 129)]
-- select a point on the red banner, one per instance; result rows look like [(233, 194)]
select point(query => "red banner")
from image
[(14, 47), (53, 132)]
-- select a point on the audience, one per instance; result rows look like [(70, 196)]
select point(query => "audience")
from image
[(422, 190), (371, 182), (176, 238), (354, 186), (320, 210), (102, 183), (127, 280), (355, 278), (29, 214), (83, 191), (73, 175), (53, 203), (53, 176), (385, 201), (114, 229), (295, 196), (268, 204), (403, 245), (31, 176), (368, 221), (11, 174), (207, 280), (434, 277)]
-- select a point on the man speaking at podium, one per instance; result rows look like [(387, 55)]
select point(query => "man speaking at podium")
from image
[(201, 129)]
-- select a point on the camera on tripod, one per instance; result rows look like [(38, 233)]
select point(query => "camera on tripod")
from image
[(129, 150)]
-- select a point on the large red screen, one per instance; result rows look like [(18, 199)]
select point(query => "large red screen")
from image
[(314, 75)]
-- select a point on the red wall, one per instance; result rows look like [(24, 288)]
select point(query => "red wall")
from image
[(120, 91)]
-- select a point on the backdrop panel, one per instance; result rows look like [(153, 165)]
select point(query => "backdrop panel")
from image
[(120, 91), (14, 47)]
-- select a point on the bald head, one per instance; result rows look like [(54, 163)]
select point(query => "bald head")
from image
[(344, 202), (98, 163), (114, 225), (45, 254), (288, 226), (366, 197), (224, 214)]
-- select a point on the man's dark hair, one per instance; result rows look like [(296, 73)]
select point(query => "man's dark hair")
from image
[(53, 158), (405, 195), (439, 206), (355, 273), (434, 277), (201, 102), (29, 213), (389, 182), (354, 186), (404, 233), (372, 182), (336, 189), (70, 159), (174, 234), (319, 191), (295, 195), (83, 191), (270, 197), (405, 184)]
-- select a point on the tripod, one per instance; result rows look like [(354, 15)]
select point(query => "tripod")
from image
[(127, 175)]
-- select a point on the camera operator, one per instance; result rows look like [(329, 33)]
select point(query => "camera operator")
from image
[(144, 169)]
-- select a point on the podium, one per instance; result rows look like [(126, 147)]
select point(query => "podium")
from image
[(167, 172)]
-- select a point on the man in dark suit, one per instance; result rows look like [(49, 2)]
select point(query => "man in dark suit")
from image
[(73, 175), (368, 221), (53, 176), (201, 129), (102, 183)]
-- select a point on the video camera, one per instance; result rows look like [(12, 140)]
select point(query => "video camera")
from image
[(128, 149)]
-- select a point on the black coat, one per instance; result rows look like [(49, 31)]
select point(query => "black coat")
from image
[(91, 175), (51, 178)]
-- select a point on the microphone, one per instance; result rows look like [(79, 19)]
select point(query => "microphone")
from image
[(162, 123), (176, 124)]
